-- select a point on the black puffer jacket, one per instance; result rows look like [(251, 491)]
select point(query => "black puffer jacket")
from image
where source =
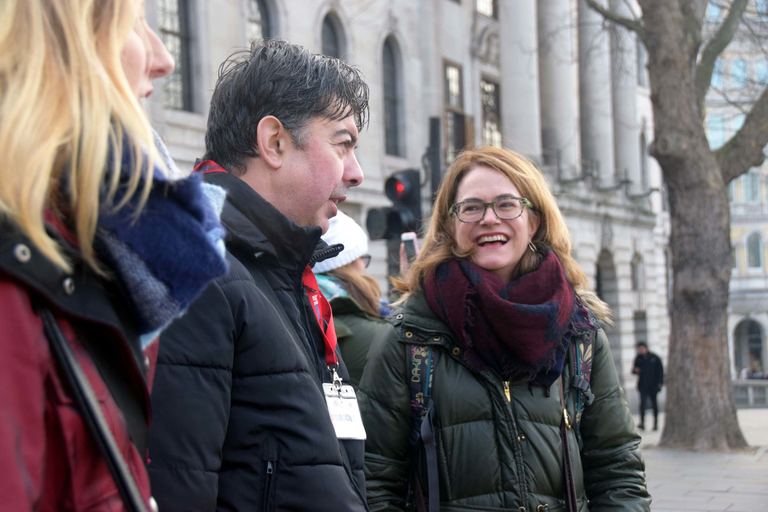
[(495, 451), (239, 417)]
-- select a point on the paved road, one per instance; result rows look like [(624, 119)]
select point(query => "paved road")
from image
[(702, 482)]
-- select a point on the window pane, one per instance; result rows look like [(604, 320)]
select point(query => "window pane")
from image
[(713, 11), (642, 62), (762, 71), (716, 131), (391, 100), (751, 185), (258, 21), (174, 31), (717, 75), (330, 39), (754, 256), (453, 95), (739, 73), (487, 8), (737, 122), (489, 93), (643, 162)]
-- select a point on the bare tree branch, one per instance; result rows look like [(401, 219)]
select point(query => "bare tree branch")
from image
[(631, 24), (714, 48), (745, 149)]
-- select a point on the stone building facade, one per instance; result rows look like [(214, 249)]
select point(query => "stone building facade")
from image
[(541, 77)]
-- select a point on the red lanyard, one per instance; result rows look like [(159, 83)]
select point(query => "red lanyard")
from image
[(324, 316)]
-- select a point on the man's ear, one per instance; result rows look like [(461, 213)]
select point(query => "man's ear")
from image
[(272, 141)]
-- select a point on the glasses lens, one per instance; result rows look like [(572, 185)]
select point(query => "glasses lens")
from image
[(508, 207), (366, 260), (471, 211)]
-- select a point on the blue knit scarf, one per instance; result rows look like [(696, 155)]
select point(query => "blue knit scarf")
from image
[(167, 255)]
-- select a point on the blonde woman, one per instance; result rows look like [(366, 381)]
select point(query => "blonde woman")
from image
[(99, 251), (354, 296), (485, 347)]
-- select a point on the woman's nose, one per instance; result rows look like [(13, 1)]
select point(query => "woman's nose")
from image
[(162, 62)]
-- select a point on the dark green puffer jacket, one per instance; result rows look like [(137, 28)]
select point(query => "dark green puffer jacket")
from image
[(495, 454), (355, 330)]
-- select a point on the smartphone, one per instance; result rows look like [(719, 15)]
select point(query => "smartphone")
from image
[(409, 241)]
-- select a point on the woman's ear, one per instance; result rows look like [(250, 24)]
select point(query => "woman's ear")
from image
[(271, 140), (534, 221)]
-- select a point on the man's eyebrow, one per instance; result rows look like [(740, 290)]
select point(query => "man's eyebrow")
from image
[(344, 131)]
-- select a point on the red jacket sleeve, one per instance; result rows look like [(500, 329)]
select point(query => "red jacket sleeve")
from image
[(23, 367)]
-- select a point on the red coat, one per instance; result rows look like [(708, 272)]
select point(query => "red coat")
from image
[(48, 459)]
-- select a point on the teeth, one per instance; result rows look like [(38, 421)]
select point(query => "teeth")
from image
[(494, 238)]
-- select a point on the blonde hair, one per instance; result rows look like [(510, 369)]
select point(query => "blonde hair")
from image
[(440, 245), (66, 112), (361, 287)]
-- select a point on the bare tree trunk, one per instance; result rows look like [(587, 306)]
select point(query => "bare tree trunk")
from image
[(701, 413)]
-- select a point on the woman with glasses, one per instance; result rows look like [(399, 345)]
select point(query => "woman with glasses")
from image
[(354, 296), (492, 386)]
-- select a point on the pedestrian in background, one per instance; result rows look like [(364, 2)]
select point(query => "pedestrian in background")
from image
[(354, 296), (241, 418), (88, 219), (650, 380), (484, 349)]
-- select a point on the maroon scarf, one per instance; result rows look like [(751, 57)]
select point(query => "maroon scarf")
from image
[(521, 330)]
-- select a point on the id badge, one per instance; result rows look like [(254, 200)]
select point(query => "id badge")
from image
[(344, 411)]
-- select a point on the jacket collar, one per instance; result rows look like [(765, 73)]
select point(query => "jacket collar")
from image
[(254, 225)]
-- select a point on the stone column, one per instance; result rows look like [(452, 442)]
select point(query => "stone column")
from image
[(558, 78), (626, 131), (520, 103), (595, 99)]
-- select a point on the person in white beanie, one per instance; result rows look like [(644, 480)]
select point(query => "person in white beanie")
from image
[(354, 296)]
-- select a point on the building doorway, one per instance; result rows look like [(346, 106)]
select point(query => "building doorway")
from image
[(749, 349)]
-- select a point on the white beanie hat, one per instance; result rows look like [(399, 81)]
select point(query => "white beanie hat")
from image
[(343, 230)]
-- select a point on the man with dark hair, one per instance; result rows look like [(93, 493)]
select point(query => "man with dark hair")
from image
[(240, 419), (650, 381)]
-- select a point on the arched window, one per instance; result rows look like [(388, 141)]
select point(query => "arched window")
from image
[(637, 273), (644, 162), (259, 25), (754, 251), (333, 36), (392, 97)]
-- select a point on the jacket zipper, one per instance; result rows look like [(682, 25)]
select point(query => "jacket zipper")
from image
[(516, 440), (268, 477)]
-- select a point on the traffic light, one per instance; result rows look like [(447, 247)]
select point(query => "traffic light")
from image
[(404, 190)]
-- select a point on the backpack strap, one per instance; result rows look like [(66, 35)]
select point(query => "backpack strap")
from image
[(583, 354), (420, 386)]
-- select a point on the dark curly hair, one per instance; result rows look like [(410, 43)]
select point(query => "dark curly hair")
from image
[(283, 80)]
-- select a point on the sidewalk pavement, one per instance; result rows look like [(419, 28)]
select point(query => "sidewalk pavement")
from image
[(702, 482)]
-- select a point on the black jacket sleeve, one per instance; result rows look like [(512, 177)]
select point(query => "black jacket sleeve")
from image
[(191, 404)]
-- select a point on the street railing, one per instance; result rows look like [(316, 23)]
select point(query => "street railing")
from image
[(750, 393)]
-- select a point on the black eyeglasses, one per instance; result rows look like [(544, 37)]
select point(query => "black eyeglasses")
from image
[(366, 259), (506, 208)]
